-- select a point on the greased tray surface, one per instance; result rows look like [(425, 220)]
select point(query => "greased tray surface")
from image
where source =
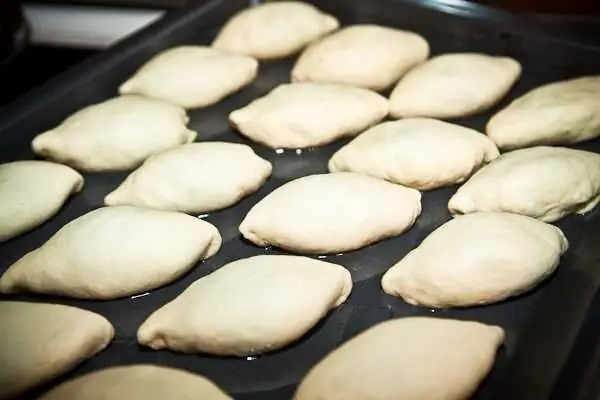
[(544, 338)]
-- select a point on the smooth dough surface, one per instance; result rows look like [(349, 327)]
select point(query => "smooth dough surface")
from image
[(476, 259), (138, 382), (369, 56), (331, 213), (543, 182), (32, 192), (115, 135), (113, 252), (38, 342), (304, 115), (407, 358), (557, 113), (454, 85), (274, 30), (421, 153), (192, 76), (249, 306), (194, 178)]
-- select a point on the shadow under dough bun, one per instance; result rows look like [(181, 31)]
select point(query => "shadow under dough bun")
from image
[(262, 306), (194, 178), (407, 358), (38, 342), (192, 76), (137, 382), (274, 30), (557, 113), (546, 183), (476, 259), (113, 252), (331, 213), (368, 56), (302, 115), (115, 135), (32, 192), (421, 153), (454, 85)]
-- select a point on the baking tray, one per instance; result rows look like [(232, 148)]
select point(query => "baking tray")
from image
[(551, 333)]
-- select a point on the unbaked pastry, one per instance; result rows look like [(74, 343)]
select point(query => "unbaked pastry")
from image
[(194, 178), (421, 153), (249, 306), (113, 252), (115, 135), (32, 192), (192, 76)]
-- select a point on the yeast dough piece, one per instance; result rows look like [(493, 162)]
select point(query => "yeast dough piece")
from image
[(304, 115), (113, 252), (194, 178), (542, 182), (249, 306), (41, 341), (407, 358), (369, 56), (115, 135), (557, 113), (138, 382), (331, 213), (192, 76), (421, 153), (454, 85), (32, 192), (274, 30), (476, 259)]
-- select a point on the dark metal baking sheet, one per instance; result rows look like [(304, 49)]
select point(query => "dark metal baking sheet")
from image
[(549, 333)]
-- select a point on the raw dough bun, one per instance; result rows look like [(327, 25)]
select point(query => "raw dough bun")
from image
[(138, 382), (407, 358), (477, 259), (454, 85), (261, 305), (368, 56), (115, 135), (194, 178), (331, 213), (42, 341), (557, 113), (304, 115), (192, 76), (546, 183), (274, 30), (113, 252), (417, 152), (32, 192)]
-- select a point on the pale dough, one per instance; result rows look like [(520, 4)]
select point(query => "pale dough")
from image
[(407, 358), (454, 85), (192, 76), (304, 115), (115, 135), (113, 252), (420, 153), (194, 178), (368, 56), (476, 259), (274, 30), (331, 213), (32, 192), (41, 341), (249, 306), (546, 183), (138, 382), (557, 113)]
